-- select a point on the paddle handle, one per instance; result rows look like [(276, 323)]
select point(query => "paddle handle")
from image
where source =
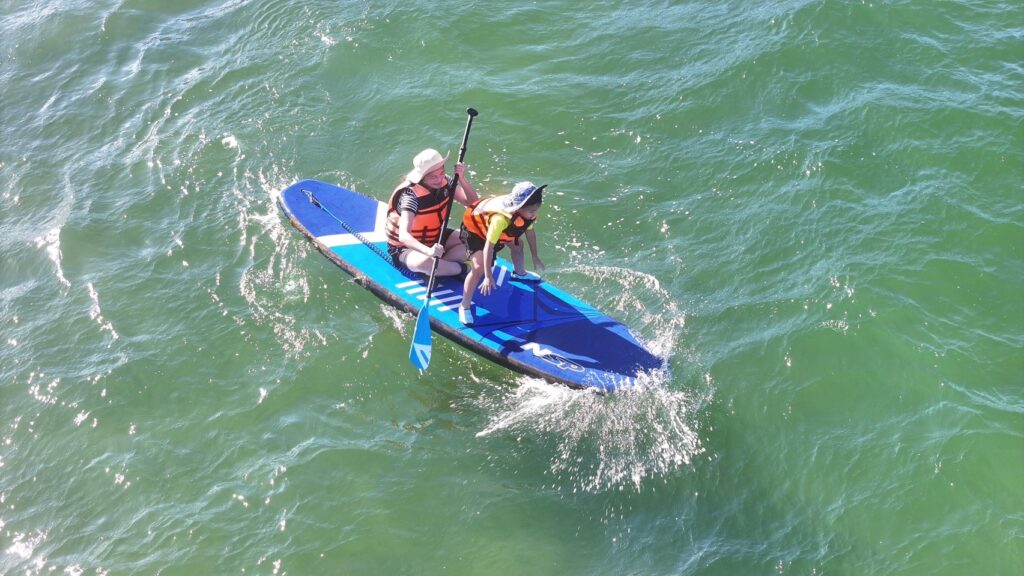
[(470, 114)]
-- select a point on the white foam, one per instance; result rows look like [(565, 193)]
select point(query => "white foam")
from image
[(602, 442), (51, 241)]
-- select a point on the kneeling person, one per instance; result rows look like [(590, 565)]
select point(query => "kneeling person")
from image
[(487, 227)]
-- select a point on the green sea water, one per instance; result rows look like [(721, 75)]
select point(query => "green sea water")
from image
[(812, 210)]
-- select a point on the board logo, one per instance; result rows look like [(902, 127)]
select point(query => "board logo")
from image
[(553, 357)]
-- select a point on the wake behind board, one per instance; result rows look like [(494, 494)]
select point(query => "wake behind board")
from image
[(530, 327)]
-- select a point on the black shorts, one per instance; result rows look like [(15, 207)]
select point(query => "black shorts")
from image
[(474, 243), (396, 251)]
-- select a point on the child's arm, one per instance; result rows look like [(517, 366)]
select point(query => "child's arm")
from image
[(531, 238), (488, 284), (495, 227)]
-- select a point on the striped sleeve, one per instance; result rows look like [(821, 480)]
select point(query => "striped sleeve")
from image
[(407, 201)]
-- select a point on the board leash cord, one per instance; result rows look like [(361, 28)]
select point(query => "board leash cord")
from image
[(313, 200)]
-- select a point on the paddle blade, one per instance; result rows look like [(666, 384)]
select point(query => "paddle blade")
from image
[(419, 352)]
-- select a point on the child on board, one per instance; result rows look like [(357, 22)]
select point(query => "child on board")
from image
[(488, 226)]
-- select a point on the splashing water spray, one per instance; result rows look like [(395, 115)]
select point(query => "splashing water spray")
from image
[(610, 442)]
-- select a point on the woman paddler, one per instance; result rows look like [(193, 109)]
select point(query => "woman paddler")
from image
[(416, 212)]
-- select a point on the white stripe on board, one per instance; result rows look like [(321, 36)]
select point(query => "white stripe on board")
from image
[(435, 301), (447, 303), (446, 299), (435, 295), (376, 236), (332, 240)]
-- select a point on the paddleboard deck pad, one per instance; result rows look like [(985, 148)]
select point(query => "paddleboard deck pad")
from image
[(528, 326)]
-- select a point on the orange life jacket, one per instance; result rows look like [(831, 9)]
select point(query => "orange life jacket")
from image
[(426, 224), (478, 217)]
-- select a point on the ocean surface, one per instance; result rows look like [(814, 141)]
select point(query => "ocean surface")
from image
[(813, 210)]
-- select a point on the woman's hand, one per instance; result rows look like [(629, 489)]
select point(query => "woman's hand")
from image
[(465, 194), (435, 251)]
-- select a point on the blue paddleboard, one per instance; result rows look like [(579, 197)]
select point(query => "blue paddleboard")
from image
[(530, 327)]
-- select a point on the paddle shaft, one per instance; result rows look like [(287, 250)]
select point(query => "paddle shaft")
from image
[(470, 113)]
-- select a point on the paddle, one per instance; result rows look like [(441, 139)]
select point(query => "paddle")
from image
[(419, 352)]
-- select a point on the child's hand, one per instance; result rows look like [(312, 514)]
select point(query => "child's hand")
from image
[(537, 264), (486, 286)]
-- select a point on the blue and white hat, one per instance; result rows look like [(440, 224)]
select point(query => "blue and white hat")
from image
[(520, 195)]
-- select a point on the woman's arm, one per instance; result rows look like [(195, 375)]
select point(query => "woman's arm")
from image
[(465, 194)]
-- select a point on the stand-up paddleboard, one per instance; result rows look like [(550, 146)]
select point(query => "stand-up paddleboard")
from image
[(530, 327)]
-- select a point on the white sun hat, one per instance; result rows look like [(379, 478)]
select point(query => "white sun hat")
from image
[(424, 162)]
